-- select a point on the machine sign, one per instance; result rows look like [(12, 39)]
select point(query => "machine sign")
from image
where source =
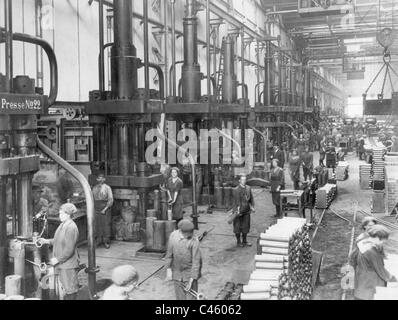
[(22, 104)]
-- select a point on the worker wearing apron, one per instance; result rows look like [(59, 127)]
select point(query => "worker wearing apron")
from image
[(277, 184), (103, 199), (176, 201), (65, 256)]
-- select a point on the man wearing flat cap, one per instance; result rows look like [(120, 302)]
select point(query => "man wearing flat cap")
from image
[(65, 256), (244, 206), (184, 260), (103, 202)]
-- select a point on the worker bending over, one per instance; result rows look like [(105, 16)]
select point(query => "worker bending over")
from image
[(184, 260)]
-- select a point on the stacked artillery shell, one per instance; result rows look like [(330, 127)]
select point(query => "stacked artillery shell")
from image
[(170, 227), (325, 196), (342, 171), (274, 262), (378, 165), (391, 165), (365, 176), (149, 232), (159, 239)]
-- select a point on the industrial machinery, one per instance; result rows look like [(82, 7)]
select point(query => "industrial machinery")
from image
[(121, 117), (21, 105), (220, 109)]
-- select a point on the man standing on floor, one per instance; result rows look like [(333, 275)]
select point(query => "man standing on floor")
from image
[(65, 256), (308, 163), (184, 260), (103, 198), (244, 206), (278, 154)]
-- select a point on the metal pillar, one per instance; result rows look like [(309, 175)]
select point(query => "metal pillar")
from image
[(124, 63), (191, 75), (267, 76), (25, 226), (3, 233), (229, 80)]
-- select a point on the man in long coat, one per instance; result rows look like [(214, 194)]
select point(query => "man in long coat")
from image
[(244, 206)]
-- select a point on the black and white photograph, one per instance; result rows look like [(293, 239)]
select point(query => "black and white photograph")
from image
[(198, 155)]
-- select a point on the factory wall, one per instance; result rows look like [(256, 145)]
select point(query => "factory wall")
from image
[(71, 27)]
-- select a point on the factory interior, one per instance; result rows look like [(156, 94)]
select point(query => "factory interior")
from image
[(131, 128)]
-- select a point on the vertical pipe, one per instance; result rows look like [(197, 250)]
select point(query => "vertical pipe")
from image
[(229, 79), (267, 80), (208, 48), (101, 47), (39, 50), (258, 68), (8, 45), (14, 206), (243, 65), (173, 46), (25, 226), (124, 61), (146, 47), (166, 48), (3, 233), (124, 149), (191, 75), (280, 76)]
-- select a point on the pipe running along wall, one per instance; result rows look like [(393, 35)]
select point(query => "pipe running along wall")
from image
[(92, 268)]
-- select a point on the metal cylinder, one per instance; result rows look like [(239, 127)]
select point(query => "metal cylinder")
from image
[(13, 285), (159, 238), (156, 202), (25, 226), (124, 161), (170, 227), (124, 63), (218, 194), (3, 232), (229, 81), (149, 232), (163, 205), (268, 75), (191, 75)]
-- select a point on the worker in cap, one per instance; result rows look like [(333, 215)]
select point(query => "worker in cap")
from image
[(65, 256), (174, 189), (125, 280), (277, 180), (367, 260), (184, 261), (103, 202)]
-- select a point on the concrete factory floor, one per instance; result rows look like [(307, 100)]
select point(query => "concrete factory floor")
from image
[(223, 262)]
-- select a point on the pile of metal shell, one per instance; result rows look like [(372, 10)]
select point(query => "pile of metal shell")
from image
[(325, 196), (274, 262), (342, 171), (365, 176)]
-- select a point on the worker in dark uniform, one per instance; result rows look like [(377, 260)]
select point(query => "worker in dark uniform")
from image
[(65, 256), (368, 262), (322, 151), (244, 206), (184, 260), (361, 149), (294, 167), (279, 155), (277, 184), (176, 201), (103, 199), (308, 163)]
